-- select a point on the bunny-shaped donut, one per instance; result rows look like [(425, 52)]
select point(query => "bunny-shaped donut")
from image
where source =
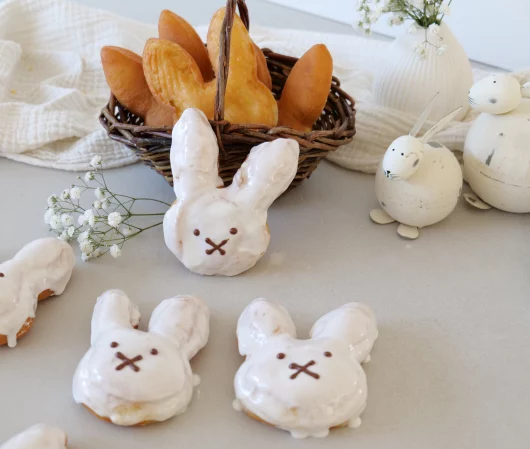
[(309, 386), (131, 378), (418, 182), (214, 230), (40, 436), (39, 270)]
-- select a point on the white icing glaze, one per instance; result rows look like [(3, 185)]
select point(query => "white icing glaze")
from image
[(44, 264), (201, 205), (40, 436), (329, 384), (152, 385)]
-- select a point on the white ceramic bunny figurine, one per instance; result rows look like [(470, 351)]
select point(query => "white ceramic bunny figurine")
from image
[(418, 182), (39, 270), (306, 387), (214, 230), (497, 148), (129, 377), (40, 436)]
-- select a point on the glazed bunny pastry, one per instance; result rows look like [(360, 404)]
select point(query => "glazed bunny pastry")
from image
[(39, 270), (40, 436), (306, 387), (214, 230), (132, 378)]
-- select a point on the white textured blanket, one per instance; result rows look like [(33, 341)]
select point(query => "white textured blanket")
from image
[(52, 87)]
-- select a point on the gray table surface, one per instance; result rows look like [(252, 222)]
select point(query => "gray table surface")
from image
[(451, 366)]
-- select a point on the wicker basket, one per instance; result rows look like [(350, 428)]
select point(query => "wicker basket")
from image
[(335, 127)]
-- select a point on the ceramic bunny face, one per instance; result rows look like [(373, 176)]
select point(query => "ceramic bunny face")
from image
[(40, 269), (132, 377), (40, 436), (496, 94), (402, 158), (304, 386), (214, 230)]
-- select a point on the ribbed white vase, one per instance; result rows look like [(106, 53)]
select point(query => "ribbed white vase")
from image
[(405, 82)]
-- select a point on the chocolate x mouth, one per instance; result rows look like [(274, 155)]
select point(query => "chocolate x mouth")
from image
[(216, 247), (303, 369), (128, 362)]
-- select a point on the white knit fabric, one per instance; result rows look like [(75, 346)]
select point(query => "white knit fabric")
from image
[(52, 86)]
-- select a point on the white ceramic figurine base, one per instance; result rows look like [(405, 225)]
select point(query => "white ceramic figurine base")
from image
[(309, 386), (497, 148), (418, 182), (223, 231)]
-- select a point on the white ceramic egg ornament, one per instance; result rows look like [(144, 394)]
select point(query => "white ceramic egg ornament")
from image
[(418, 182), (497, 148), (222, 231)]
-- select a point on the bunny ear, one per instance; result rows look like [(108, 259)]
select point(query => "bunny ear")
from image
[(194, 154), (440, 125), (114, 310), (267, 172), (423, 117), (185, 320), (38, 436), (525, 90), (260, 320), (354, 323)]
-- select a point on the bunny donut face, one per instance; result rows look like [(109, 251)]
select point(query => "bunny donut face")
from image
[(130, 377), (309, 386), (214, 230), (40, 269), (40, 436)]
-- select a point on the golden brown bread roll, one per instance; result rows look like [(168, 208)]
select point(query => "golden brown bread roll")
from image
[(306, 89), (263, 71), (174, 28), (125, 77), (246, 96)]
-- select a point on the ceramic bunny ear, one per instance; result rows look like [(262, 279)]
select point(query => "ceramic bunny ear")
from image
[(525, 90), (113, 310), (260, 320), (184, 320), (354, 323), (194, 154), (440, 125), (423, 117), (267, 172)]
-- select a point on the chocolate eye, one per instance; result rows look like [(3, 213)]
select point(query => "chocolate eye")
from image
[(197, 232), (114, 344), (328, 354), (233, 231), (2, 275), (154, 351), (280, 355)]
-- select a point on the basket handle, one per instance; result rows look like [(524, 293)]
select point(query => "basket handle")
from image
[(224, 52)]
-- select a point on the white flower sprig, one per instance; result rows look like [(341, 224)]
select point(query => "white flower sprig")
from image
[(106, 225), (426, 14)]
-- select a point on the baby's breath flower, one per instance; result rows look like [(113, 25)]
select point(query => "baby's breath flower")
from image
[(48, 215), (96, 161), (442, 49), (446, 9), (434, 28), (100, 193), (75, 193), (65, 195), (52, 200), (115, 251), (115, 219), (102, 228), (55, 222)]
